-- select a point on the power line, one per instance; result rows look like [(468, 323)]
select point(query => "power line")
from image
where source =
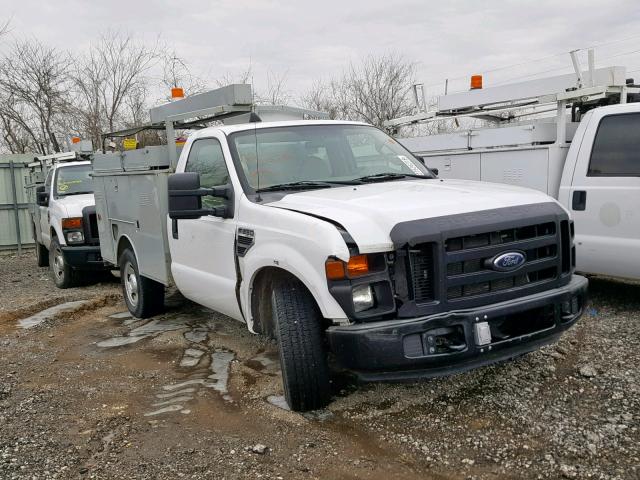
[(547, 57)]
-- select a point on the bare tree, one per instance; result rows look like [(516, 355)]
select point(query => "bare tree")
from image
[(4, 27), (244, 76), (34, 96), (328, 97), (176, 73), (276, 92), (378, 88), (374, 91), (111, 82)]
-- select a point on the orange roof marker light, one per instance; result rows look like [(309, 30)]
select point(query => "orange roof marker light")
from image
[(75, 140), (177, 93), (476, 82)]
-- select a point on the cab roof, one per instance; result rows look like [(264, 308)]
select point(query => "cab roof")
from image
[(241, 127)]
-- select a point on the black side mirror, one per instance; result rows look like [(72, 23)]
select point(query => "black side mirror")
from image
[(42, 198), (185, 198), (435, 171)]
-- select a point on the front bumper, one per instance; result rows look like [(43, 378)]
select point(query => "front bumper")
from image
[(84, 257), (399, 349)]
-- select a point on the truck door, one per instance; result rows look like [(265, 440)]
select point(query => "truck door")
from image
[(44, 211), (203, 261), (604, 197)]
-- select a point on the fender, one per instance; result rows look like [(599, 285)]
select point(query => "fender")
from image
[(119, 242), (275, 254), (56, 227)]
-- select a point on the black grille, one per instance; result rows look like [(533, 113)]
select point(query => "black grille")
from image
[(469, 260), (500, 237), (459, 252), (422, 273)]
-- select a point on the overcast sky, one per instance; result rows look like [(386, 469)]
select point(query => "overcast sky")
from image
[(309, 40)]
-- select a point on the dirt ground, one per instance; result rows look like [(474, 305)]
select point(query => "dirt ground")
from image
[(88, 392)]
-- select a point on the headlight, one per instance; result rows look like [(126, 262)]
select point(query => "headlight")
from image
[(363, 298), (75, 237)]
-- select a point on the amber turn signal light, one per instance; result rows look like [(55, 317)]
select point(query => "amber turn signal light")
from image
[(358, 265), (337, 269), (334, 269), (72, 223)]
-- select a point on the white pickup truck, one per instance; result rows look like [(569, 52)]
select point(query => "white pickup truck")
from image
[(585, 155), (331, 237), (62, 209)]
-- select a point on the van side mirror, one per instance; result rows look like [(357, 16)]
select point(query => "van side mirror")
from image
[(435, 171), (42, 196), (185, 198)]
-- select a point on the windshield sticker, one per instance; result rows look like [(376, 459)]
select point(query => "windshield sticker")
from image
[(412, 166), (64, 186)]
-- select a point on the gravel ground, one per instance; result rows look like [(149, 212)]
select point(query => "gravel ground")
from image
[(191, 394)]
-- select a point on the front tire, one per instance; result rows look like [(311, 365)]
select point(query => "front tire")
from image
[(144, 297), (63, 275), (303, 359)]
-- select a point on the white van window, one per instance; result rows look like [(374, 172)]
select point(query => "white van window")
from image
[(616, 148)]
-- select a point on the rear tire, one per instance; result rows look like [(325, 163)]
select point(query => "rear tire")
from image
[(303, 359), (63, 275), (42, 255), (144, 297)]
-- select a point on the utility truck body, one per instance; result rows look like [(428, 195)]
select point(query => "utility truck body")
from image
[(586, 155), (331, 237), (62, 210)]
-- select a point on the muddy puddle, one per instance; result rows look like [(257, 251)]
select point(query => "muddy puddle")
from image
[(204, 364), (51, 313)]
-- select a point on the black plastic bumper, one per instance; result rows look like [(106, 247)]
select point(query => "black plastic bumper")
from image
[(399, 349), (84, 257)]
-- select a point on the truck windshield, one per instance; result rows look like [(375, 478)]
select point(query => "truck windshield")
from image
[(330, 155), (73, 180)]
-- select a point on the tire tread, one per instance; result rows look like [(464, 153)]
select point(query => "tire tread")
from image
[(302, 353)]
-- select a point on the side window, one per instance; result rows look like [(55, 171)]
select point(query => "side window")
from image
[(616, 148), (207, 159)]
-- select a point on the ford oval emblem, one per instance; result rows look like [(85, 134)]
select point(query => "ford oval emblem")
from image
[(509, 261)]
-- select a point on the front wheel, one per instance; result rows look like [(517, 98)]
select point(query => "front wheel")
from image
[(303, 359), (144, 297), (63, 274)]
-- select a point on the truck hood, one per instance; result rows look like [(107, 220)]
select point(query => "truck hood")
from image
[(74, 204), (369, 212)]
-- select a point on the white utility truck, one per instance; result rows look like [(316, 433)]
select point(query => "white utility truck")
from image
[(587, 155), (62, 210), (333, 238)]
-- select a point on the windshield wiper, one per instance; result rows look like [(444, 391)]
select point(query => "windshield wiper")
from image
[(73, 193), (391, 176), (306, 185)]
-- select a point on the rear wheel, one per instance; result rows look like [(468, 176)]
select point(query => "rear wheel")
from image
[(144, 297), (303, 359), (42, 255), (63, 274)]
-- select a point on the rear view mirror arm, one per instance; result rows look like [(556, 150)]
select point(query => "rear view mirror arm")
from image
[(220, 192)]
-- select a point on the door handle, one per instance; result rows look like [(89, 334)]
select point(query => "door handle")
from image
[(579, 200)]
